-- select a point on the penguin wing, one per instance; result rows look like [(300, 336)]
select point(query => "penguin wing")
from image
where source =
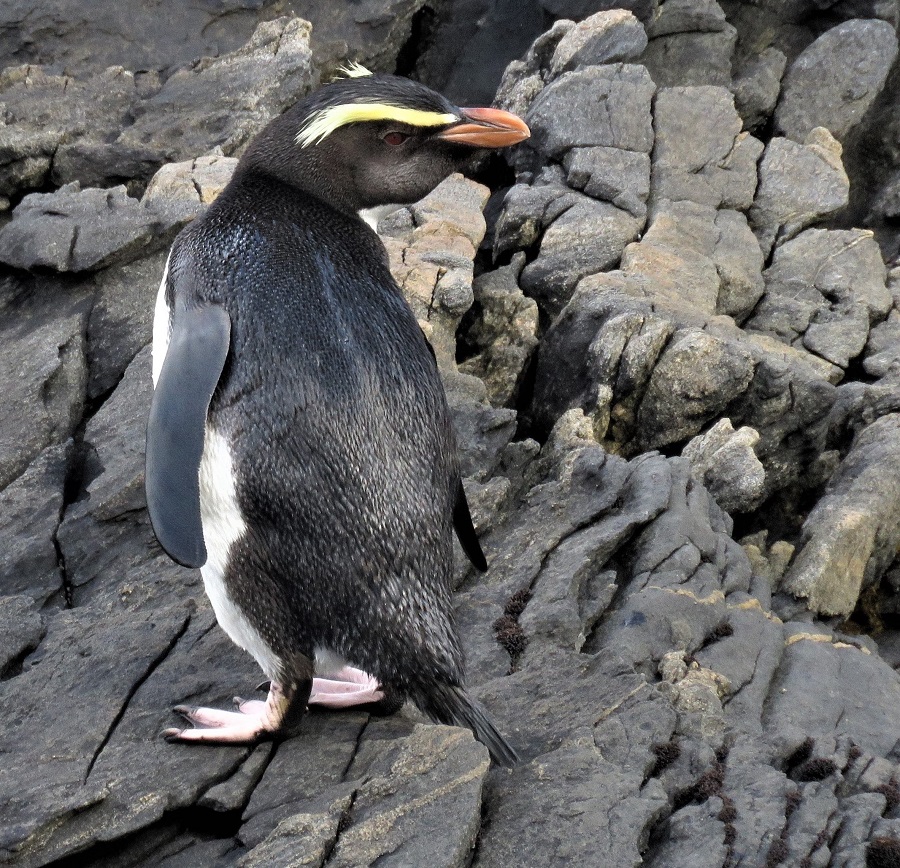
[(465, 530), (195, 357), (462, 518)]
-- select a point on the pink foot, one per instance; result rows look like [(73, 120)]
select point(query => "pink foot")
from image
[(252, 720), (348, 687)]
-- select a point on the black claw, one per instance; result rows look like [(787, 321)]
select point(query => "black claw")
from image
[(186, 711)]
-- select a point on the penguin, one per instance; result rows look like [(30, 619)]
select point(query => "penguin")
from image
[(300, 450)]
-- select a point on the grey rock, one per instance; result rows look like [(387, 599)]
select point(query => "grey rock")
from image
[(21, 631), (121, 320), (850, 537), (44, 345), (524, 79), (691, 59), (613, 175), (756, 85), (102, 164), (44, 113), (77, 230), (527, 211), (604, 347), (223, 102), (116, 127), (111, 556), (483, 432), (834, 81), (517, 89), (589, 237), (305, 838), (887, 201), (701, 155), (823, 290), (693, 256), (674, 259), (798, 185), (860, 814), (723, 460), (882, 353), (541, 51), (749, 658), (579, 9), (31, 509), (694, 838), (758, 796), (505, 332), (472, 42), (184, 190), (419, 802), (605, 37), (173, 33), (431, 259), (739, 263), (234, 792), (97, 665), (866, 722), (126, 34), (685, 16), (616, 814), (375, 31), (116, 434), (682, 562), (607, 106), (814, 815), (305, 776)]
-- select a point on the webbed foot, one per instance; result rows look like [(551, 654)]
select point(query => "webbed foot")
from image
[(254, 720)]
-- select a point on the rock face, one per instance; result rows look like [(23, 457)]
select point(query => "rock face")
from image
[(658, 314)]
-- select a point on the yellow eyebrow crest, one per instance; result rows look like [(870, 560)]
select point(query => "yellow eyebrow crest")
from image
[(352, 69), (324, 122)]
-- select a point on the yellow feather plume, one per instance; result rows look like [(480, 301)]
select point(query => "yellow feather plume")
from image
[(324, 122)]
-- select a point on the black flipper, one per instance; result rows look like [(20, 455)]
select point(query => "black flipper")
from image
[(194, 361), (465, 530)]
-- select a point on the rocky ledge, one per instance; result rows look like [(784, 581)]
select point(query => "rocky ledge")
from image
[(669, 327)]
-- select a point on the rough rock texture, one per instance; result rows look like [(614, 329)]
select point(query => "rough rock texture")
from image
[(657, 319), (117, 126), (798, 185), (852, 535), (823, 289), (170, 33), (821, 93)]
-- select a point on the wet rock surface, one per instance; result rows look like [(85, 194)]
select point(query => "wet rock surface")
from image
[(671, 352)]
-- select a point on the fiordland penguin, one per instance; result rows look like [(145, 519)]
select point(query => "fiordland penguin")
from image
[(299, 447)]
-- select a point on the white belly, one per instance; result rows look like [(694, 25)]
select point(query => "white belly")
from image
[(223, 526)]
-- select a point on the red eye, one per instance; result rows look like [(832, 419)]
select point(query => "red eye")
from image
[(395, 138)]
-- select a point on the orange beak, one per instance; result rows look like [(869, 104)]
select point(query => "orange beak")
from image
[(487, 128)]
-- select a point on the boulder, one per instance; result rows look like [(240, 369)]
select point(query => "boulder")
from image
[(799, 184), (835, 80)]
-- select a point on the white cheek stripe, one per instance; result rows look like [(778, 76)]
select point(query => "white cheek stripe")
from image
[(223, 526)]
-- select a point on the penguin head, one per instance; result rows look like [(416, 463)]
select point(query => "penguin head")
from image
[(372, 139)]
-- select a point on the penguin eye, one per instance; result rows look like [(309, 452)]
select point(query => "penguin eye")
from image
[(395, 138)]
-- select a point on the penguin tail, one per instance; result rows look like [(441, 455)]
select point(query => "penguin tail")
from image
[(450, 704)]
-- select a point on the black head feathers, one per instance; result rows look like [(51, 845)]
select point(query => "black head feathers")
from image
[(374, 139)]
